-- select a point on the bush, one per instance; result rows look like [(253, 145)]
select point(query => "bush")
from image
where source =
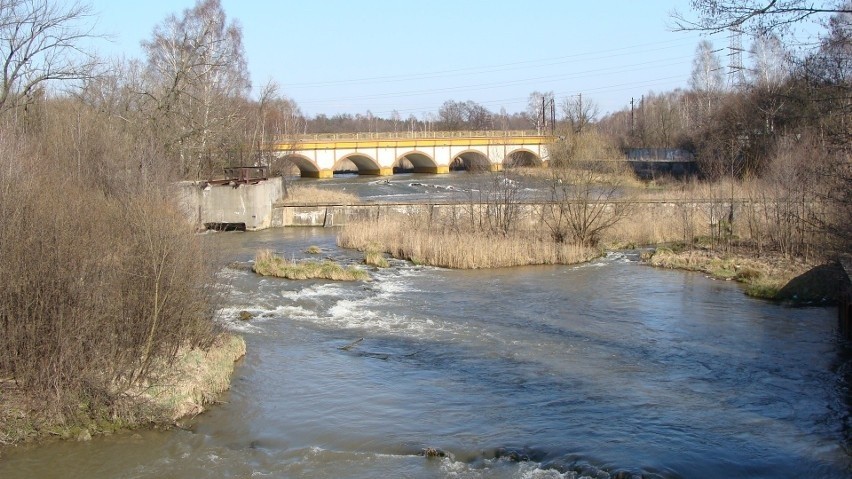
[(96, 289)]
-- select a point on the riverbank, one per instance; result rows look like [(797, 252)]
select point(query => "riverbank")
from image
[(770, 277), (182, 389)]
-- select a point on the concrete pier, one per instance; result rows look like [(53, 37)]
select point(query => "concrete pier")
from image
[(238, 205)]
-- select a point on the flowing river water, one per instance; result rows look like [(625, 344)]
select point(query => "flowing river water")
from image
[(607, 369)]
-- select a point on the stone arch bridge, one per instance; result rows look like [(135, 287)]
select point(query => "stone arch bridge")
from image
[(430, 152)]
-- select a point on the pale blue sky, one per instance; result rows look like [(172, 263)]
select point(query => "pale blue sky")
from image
[(338, 56)]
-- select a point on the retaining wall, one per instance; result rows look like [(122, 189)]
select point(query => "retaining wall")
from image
[(234, 204)]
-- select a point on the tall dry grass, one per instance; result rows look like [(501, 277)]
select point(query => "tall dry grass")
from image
[(312, 195), (463, 249), (764, 215)]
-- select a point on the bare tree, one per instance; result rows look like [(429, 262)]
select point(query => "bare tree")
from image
[(41, 41), (538, 109), (197, 68), (502, 197), (770, 61), (274, 119), (579, 113), (451, 115), (756, 16), (477, 116), (396, 119), (585, 201)]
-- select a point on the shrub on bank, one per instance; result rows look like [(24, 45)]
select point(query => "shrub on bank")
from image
[(98, 292)]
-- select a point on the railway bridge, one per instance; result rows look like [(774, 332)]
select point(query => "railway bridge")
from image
[(382, 154)]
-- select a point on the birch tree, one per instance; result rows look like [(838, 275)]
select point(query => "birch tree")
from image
[(197, 68), (707, 78)]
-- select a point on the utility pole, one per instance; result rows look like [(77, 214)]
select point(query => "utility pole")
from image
[(552, 116), (632, 116)]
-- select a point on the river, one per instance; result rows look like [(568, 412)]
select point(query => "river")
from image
[(417, 187), (535, 372)]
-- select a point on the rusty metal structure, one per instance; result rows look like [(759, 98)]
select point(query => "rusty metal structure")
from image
[(242, 175)]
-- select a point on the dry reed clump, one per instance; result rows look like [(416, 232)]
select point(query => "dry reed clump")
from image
[(618, 174), (374, 256), (267, 263), (459, 249), (651, 223), (312, 195), (721, 189)]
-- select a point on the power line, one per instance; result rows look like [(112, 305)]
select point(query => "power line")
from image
[(495, 68), (619, 87), (491, 85)]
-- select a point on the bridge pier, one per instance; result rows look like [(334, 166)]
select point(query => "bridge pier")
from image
[(435, 170), (495, 167), (379, 172), (321, 174)]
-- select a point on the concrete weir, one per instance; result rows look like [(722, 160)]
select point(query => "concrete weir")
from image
[(231, 206), (337, 215)]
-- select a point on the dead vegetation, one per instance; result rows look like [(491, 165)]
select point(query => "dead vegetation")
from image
[(312, 195), (267, 263), (414, 239)]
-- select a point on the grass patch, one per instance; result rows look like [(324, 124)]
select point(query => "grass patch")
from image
[(173, 390), (196, 379), (267, 263), (765, 288), (374, 256), (763, 277), (312, 195)]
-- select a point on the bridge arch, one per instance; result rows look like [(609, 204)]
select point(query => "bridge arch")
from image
[(522, 157), (471, 160), (420, 162), (366, 164), (307, 167)]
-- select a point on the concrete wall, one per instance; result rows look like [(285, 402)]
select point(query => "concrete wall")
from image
[(337, 215), (226, 204)]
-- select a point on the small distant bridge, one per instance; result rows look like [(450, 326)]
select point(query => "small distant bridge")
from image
[(381, 154)]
